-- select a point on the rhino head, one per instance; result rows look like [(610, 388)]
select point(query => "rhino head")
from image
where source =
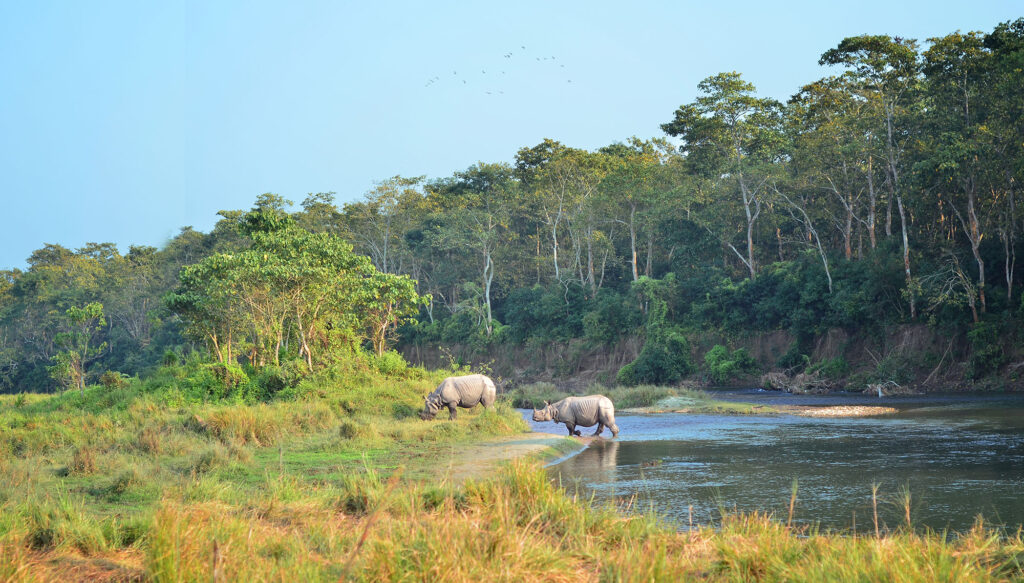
[(542, 414), (431, 405)]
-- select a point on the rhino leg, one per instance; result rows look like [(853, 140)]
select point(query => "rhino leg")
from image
[(600, 428), (572, 429), (615, 430), (451, 412)]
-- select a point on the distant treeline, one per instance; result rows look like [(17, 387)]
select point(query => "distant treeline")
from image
[(885, 192)]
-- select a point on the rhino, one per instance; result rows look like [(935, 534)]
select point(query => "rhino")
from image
[(583, 411), (465, 391)]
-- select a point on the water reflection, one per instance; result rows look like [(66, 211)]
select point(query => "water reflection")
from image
[(598, 464), (957, 459)]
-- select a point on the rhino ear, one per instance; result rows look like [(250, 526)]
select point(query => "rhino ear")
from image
[(546, 404)]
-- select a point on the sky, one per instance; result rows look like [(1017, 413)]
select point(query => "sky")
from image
[(125, 121)]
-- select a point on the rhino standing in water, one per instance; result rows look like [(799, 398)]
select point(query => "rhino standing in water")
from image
[(465, 392), (583, 411)]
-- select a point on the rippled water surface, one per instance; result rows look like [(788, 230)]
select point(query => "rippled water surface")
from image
[(957, 456)]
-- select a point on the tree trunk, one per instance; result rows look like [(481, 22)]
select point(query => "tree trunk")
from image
[(748, 200), (872, 203), (632, 242), (650, 253), (906, 257), (488, 278), (1009, 240)]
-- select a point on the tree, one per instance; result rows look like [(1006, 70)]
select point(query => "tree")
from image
[(565, 187), (480, 203), (377, 224), (833, 152), (386, 302), (635, 188), (205, 301), (729, 134), (79, 343), (957, 69), (1006, 124), (886, 72)]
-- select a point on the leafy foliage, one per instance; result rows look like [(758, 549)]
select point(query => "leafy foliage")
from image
[(724, 365), (884, 193)]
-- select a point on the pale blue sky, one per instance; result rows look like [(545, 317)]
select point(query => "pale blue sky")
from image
[(124, 121)]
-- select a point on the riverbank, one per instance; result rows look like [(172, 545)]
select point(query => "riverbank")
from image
[(131, 488)]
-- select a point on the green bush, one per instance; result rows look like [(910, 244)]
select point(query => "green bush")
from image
[(609, 319), (986, 349), (639, 396), (114, 380), (665, 357), (724, 366), (390, 363), (831, 368), (532, 396), (895, 368), (663, 360)]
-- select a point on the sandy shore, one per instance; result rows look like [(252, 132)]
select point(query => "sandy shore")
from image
[(478, 459), (838, 411)]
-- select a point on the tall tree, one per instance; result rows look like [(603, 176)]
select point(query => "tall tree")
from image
[(957, 68), (833, 153), (1006, 124), (480, 202), (886, 71), (730, 134)]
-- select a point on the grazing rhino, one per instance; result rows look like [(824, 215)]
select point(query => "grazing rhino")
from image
[(583, 411), (465, 392)]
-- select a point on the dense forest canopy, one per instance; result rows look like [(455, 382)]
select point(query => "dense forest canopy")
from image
[(884, 192)]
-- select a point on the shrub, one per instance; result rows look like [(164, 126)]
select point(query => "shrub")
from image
[(170, 358), (895, 368), (640, 396), (229, 375), (663, 360), (532, 396), (83, 461), (609, 319), (390, 363), (665, 357), (357, 429), (831, 368), (114, 380), (986, 349), (209, 459), (724, 366)]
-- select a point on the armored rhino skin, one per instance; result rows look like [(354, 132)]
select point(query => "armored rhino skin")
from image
[(465, 391), (583, 411)]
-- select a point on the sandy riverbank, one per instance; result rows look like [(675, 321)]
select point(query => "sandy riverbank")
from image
[(480, 459)]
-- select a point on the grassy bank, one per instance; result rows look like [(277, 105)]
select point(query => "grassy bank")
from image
[(513, 527), (345, 483), (87, 476)]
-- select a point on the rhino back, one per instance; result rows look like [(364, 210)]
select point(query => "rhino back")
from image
[(587, 409), (467, 390)]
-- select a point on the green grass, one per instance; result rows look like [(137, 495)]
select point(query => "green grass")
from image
[(331, 486)]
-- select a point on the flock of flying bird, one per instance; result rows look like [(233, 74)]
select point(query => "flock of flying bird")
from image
[(465, 80)]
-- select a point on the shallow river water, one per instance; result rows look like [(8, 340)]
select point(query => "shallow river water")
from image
[(957, 456)]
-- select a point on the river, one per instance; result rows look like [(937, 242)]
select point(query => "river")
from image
[(957, 456)]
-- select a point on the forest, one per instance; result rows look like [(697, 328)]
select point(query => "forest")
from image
[(882, 194)]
